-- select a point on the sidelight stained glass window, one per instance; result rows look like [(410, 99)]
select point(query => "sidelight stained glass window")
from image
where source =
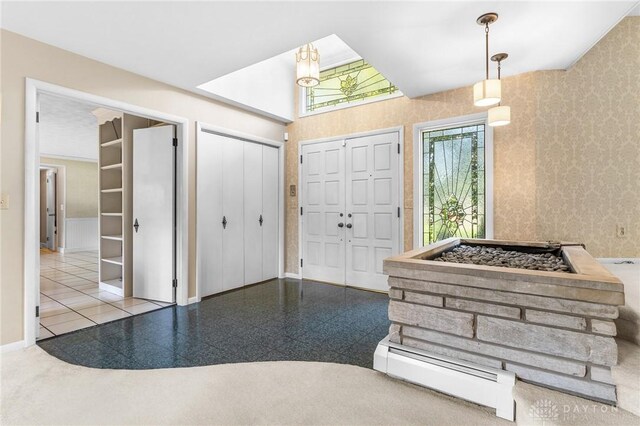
[(454, 183), (351, 83)]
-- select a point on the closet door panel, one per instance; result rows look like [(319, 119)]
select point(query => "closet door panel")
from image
[(209, 213), (270, 203), (232, 205), (252, 212)]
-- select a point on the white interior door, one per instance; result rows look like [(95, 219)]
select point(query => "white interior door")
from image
[(253, 219), (323, 217), (372, 229), (209, 213), (153, 193), (270, 211), (51, 209), (233, 216)]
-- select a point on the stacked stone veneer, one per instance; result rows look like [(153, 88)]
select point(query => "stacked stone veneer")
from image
[(546, 329)]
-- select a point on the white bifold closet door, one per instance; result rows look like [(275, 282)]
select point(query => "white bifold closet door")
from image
[(253, 212), (237, 214)]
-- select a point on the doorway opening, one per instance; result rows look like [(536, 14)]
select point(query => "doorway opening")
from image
[(74, 282)]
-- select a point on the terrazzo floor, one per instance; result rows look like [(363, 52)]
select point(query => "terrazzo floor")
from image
[(277, 320)]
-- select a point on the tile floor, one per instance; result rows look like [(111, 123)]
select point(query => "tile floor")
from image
[(277, 320), (70, 298)]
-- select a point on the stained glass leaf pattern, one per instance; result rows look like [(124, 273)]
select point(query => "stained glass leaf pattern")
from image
[(454, 183), (349, 83)]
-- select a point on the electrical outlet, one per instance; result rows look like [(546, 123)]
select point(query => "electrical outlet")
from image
[(621, 231), (4, 201)]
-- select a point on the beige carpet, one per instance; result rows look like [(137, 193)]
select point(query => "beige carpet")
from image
[(37, 388)]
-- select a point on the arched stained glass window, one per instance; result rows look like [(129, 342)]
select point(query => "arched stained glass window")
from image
[(351, 83)]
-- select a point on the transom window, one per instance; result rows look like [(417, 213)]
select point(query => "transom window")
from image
[(347, 85), (453, 177)]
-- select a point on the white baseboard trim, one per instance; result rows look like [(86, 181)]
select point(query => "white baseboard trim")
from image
[(193, 300), (10, 347), (292, 275)]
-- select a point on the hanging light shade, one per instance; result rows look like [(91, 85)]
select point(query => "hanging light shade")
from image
[(488, 91), (499, 116), (307, 66)]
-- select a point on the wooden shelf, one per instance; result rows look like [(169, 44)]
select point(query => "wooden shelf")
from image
[(107, 191), (111, 143), (114, 260), (112, 237), (111, 214), (112, 166)]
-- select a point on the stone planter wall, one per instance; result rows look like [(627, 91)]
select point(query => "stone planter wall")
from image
[(549, 328)]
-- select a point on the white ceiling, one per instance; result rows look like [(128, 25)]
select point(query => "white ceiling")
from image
[(67, 129), (422, 47), (267, 87)]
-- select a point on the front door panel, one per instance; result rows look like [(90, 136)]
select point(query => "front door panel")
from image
[(323, 204), (371, 208)]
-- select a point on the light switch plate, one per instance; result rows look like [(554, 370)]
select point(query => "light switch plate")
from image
[(4, 201)]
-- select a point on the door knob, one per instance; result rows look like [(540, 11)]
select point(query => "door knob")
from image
[(349, 225), (136, 225), (340, 225), (260, 220), (224, 222)]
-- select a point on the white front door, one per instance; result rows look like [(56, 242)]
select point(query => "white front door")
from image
[(350, 209), (372, 207), (323, 212), (153, 213)]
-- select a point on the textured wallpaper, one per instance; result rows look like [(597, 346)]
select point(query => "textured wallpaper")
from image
[(567, 167), (588, 147)]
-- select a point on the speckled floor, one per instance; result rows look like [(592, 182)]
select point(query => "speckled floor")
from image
[(278, 320)]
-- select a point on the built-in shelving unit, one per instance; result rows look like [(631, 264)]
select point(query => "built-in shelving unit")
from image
[(115, 160), (111, 203)]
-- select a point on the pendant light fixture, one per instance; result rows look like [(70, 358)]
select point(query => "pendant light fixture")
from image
[(307, 66), (487, 92), (499, 115)]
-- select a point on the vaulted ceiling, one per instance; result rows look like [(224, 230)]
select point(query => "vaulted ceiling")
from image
[(422, 47)]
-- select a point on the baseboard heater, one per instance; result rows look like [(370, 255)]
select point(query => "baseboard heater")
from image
[(482, 385)]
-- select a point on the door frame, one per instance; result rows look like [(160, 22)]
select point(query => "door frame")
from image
[(418, 206), (31, 265), (400, 131), (281, 146)]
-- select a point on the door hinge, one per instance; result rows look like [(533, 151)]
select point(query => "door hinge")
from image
[(398, 211), (301, 159), (398, 148), (175, 141), (301, 262), (37, 116), (175, 283), (37, 311), (300, 211)]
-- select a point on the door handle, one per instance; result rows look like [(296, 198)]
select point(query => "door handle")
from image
[(341, 225), (260, 220), (136, 225), (224, 222), (349, 225)]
